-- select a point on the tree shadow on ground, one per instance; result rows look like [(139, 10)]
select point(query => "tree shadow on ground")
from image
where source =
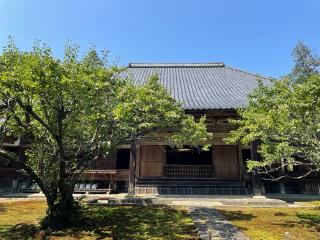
[(311, 221), (141, 222), (19, 232), (118, 222), (314, 218), (237, 215), (2, 208), (280, 214)]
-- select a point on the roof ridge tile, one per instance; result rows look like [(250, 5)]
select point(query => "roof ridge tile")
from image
[(164, 65)]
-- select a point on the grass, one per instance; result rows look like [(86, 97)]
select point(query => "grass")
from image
[(311, 203), (19, 220), (16, 217), (272, 223)]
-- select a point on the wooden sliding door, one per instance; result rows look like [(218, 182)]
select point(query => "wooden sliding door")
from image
[(226, 162), (152, 160)]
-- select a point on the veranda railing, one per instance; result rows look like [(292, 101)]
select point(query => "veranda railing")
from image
[(188, 171)]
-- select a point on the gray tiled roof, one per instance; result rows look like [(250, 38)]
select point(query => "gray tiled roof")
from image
[(199, 85)]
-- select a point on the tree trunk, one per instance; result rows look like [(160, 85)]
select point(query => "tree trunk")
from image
[(62, 209), (51, 204), (66, 191), (132, 168)]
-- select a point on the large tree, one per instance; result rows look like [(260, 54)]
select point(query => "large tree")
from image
[(284, 118), (69, 112), (61, 111)]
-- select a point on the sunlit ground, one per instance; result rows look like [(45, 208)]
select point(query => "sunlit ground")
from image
[(19, 220), (272, 223)]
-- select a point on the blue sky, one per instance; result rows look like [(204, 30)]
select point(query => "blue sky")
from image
[(253, 35)]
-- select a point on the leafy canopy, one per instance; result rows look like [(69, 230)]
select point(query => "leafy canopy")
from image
[(285, 119), (62, 111)]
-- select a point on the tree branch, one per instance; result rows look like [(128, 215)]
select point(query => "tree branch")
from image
[(29, 110)]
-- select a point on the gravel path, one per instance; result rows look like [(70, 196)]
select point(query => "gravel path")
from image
[(211, 219)]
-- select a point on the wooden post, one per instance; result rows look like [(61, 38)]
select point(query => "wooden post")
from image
[(132, 168), (282, 188), (241, 167), (14, 185), (213, 161), (256, 183), (137, 160), (263, 189)]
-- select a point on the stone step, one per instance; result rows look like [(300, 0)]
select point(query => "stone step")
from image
[(187, 182), (191, 190)]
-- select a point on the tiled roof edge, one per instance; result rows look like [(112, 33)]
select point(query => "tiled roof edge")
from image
[(164, 65), (242, 71)]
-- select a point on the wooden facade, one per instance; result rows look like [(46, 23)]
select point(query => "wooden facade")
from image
[(227, 164), (151, 159), (151, 152)]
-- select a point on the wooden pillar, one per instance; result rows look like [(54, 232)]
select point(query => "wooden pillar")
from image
[(14, 185), (282, 188), (263, 189), (256, 181), (241, 166), (137, 160), (213, 160), (132, 168)]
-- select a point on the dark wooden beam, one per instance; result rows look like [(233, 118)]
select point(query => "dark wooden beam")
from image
[(256, 181)]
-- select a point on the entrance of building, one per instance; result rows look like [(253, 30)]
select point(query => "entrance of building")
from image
[(188, 163)]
